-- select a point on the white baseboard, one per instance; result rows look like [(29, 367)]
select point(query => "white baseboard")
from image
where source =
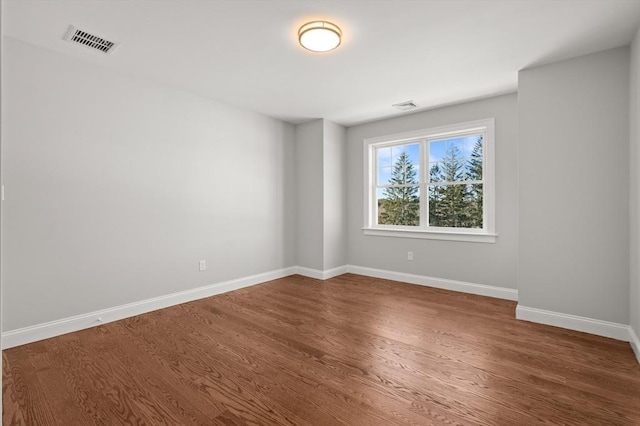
[(573, 322), (635, 343), (445, 284), (321, 275), (50, 329), (67, 325), (34, 333)]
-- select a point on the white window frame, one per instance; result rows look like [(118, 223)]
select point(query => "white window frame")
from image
[(485, 235)]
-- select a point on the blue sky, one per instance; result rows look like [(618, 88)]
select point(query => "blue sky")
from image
[(438, 148), (389, 155)]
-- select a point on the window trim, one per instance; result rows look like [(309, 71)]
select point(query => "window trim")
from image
[(485, 235)]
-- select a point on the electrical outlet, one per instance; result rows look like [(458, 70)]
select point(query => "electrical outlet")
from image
[(203, 265), (409, 255)]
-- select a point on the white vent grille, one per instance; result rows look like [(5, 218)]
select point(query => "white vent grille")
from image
[(406, 106), (91, 41)]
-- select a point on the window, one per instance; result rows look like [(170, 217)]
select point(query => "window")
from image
[(435, 183)]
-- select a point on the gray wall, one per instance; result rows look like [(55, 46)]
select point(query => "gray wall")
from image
[(309, 194), (116, 187), (335, 193), (634, 137), (320, 180), (490, 264), (573, 249)]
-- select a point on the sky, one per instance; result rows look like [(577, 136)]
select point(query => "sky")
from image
[(387, 156)]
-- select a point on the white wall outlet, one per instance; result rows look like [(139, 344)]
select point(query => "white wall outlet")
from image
[(203, 265), (409, 255)]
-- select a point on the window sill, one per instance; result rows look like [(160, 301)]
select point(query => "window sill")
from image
[(432, 235)]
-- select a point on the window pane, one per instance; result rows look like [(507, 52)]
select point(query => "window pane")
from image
[(416, 178), (456, 145), (399, 206), (413, 152), (384, 157), (384, 175), (451, 169), (476, 205), (474, 162), (463, 145), (451, 166), (470, 142), (435, 172), (458, 159), (397, 152), (410, 174), (455, 206), (436, 150), (403, 167)]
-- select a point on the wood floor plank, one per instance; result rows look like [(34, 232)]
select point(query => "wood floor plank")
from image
[(11, 411), (29, 395), (351, 350)]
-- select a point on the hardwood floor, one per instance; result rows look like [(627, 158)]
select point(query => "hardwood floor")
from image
[(351, 350)]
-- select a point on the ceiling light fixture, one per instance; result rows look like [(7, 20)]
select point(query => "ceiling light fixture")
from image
[(319, 36)]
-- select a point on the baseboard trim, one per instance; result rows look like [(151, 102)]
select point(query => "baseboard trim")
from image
[(635, 343), (321, 275), (612, 330), (445, 284), (50, 329), (47, 330)]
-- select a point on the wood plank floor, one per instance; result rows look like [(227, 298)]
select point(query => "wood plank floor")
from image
[(351, 350)]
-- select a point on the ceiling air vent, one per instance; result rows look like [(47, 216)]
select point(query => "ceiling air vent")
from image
[(91, 41), (406, 106)]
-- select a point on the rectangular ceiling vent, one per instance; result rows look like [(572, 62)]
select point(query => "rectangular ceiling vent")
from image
[(406, 106), (91, 41)]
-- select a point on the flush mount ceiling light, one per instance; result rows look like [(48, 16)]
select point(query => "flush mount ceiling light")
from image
[(319, 36)]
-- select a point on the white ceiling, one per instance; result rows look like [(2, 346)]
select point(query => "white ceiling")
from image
[(246, 53)]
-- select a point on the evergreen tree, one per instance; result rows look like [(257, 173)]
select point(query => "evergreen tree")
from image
[(474, 165), (474, 172), (437, 212), (401, 204), (448, 204)]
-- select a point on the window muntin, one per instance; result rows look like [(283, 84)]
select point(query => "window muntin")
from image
[(432, 181)]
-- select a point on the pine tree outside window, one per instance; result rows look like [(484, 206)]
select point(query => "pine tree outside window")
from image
[(435, 183)]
